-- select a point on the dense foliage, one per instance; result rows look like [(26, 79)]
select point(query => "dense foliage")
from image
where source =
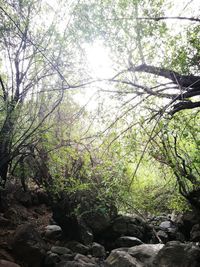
[(138, 143)]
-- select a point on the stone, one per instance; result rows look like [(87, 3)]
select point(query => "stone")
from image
[(195, 233), (66, 257), (83, 259), (3, 221), (12, 215), (163, 236), (74, 264), (131, 226), (177, 254), (24, 198), (53, 232), (98, 250), (119, 258), (78, 247), (28, 245), (185, 223), (4, 263), (97, 221), (51, 259), (60, 250), (145, 253), (79, 261), (165, 225), (128, 241), (5, 254), (86, 235)]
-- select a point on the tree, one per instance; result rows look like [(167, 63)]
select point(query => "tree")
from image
[(36, 59), (158, 58)]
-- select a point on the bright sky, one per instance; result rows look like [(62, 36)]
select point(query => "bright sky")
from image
[(99, 62)]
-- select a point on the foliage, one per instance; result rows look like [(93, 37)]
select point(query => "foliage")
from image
[(136, 149)]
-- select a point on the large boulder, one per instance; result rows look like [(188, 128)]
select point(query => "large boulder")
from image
[(53, 232), (132, 226), (96, 220), (138, 256), (145, 253), (4, 263), (176, 254), (79, 261), (98, 251), (195, 233), (186, 222), (82, 215), (28, 246), (119, 258)]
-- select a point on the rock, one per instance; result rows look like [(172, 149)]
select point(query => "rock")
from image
[(16, 214), (67, 257), (79, 261), (78, 247), (24, 198), (4, 263), (83, 259), (53, 232), (98, 250), (180, 237), (165, 225), (51, 259), (40, 210), (185, 223), (145, 253), (5, 255), (86, 235), (128, 241), (96, 220), (12, 215), (131, 226), (74, 264), (176, 254), (119, 258), (28, 245), (195, 233), (3, 221), (43, 198), (61, 250), (163, 236)]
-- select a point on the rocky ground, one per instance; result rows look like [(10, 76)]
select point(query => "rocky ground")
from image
[(35, 234)]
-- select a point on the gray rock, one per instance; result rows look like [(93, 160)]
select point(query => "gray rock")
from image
[(3, 221), (53, 228), (86, 235), (176, 254), (97, 221), (67, 257), (60, 250), (4, 263), (131, 226), (53, 231), (119, 258), (195, 233), (74, 264), (145, 253), (165, 225), (128, 241), (28, 245), (51, 259), (78, 247), (163, 236), (79, 261), (84, 259), (98, 250)]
